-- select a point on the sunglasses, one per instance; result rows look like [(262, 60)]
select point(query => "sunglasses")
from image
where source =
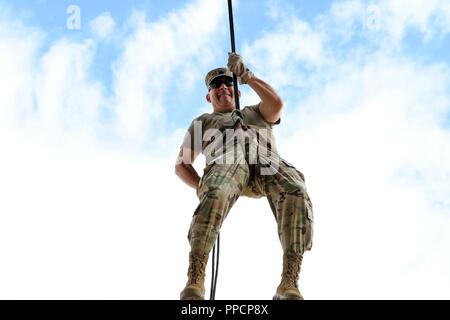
[(216, 83)]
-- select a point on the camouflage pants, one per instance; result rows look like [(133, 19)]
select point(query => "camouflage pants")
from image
[(222, 184)]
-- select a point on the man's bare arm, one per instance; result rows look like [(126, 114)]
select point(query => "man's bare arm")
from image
[(184, 169), (271, 104)]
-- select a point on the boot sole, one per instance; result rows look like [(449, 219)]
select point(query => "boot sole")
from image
[(280, 297), (192, 293)]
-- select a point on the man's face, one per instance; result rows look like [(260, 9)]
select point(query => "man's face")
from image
[(221, 94)]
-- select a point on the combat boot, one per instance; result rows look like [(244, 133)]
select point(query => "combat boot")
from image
[(288, 288), (195, 286)]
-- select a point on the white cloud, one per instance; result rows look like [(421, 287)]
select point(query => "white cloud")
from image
[(103, 25), (49, 93), (18, 49), (277, 9), (293, 42), (345, 18), (85, 223), (154, 54), (66, 98), (443, 20), (398, 16), (394, 19), (375, 155)]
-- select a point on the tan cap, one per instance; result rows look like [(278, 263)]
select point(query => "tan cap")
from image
[(215, 73)]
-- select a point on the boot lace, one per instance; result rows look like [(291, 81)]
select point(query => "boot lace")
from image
[(196, 269), (293, 270)]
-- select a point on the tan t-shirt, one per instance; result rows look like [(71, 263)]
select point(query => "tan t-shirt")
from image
[(213, 135)]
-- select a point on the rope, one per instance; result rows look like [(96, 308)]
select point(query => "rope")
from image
[(215, 269), (215, 255)]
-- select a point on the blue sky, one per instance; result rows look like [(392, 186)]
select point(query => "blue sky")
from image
[(253, 20), (91, 121)]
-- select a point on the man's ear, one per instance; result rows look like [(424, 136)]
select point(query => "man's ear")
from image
[(208, 98)]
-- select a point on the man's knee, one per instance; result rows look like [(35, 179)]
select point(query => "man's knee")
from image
[(295, 188)]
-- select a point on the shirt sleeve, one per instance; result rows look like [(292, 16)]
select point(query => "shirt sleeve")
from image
[(188, 140), (253, 111), (193, 138)]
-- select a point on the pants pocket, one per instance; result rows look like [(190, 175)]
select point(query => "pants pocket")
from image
[(309, 231), (206, 171), (309, 210)]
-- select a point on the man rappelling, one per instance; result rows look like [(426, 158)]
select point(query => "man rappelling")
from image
[(243, 163)]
